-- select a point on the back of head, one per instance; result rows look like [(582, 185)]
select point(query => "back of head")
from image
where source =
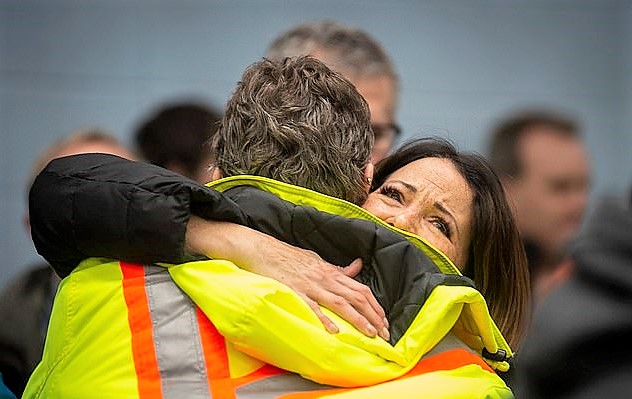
[(348, 50), (175, 137), (505, 138), (81, 142), (496, 260), (299, 122)]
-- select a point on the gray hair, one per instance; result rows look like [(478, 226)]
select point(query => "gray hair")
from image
[(345, 49), (299, 122)]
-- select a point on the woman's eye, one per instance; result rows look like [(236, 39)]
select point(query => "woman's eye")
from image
[(391, 193), (442, 226)]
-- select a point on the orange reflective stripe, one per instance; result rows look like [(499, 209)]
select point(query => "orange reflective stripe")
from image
[(139, 319), (215, 358), (448, 360)]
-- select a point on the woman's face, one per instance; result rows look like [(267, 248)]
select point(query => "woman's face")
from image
[(430, 198)]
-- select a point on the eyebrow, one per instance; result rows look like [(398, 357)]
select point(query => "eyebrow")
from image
[(409, 186)]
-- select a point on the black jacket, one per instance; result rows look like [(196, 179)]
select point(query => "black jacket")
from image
[(103, 205), (579, 346), (25, 306)]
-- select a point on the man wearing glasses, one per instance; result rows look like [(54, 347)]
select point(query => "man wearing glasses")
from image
[(359, 58)]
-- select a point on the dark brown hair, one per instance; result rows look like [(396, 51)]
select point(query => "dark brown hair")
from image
[(178, 133), (496, 258)]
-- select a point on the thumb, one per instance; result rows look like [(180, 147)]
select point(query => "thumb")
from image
[(353, 269)]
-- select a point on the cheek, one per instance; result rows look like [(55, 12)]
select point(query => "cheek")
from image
[(442, 244), (431, 235), (460, 248), (459, 260), (453, 251)]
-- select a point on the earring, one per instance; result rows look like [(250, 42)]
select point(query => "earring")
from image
[(369, 180)]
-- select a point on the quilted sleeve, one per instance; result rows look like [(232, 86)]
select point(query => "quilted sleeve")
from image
[(98, 205)]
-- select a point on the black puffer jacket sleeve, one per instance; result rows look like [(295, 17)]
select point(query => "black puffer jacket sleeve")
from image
[(102, 205)]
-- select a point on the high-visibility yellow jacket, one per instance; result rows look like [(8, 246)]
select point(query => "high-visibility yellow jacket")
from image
[(207, 329)]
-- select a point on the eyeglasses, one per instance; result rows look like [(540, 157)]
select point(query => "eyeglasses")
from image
[(386, 131)]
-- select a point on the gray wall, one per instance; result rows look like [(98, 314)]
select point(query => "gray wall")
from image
[(69, 64), (623, 169)]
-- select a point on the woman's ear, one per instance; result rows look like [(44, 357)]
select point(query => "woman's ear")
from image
[(368, 176)]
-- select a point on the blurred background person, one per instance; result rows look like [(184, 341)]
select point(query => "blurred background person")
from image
[(578, 346), (26, 302), (543, 165), (358, 57), (176, 137)]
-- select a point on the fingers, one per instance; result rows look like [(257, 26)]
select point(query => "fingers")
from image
[(364, 308), (319, 282), (353, 269), (355, 303), (327, 323), (362, 299), (344, 309)]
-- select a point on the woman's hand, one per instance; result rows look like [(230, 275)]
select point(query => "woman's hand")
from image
[(316, 281), (320, 283)]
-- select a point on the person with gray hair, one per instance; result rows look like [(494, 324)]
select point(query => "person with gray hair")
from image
[(300, 105), (358, 57)]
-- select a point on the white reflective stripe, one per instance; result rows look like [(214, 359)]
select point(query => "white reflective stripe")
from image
[(447, 343), (278, 385), (176, 337)]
